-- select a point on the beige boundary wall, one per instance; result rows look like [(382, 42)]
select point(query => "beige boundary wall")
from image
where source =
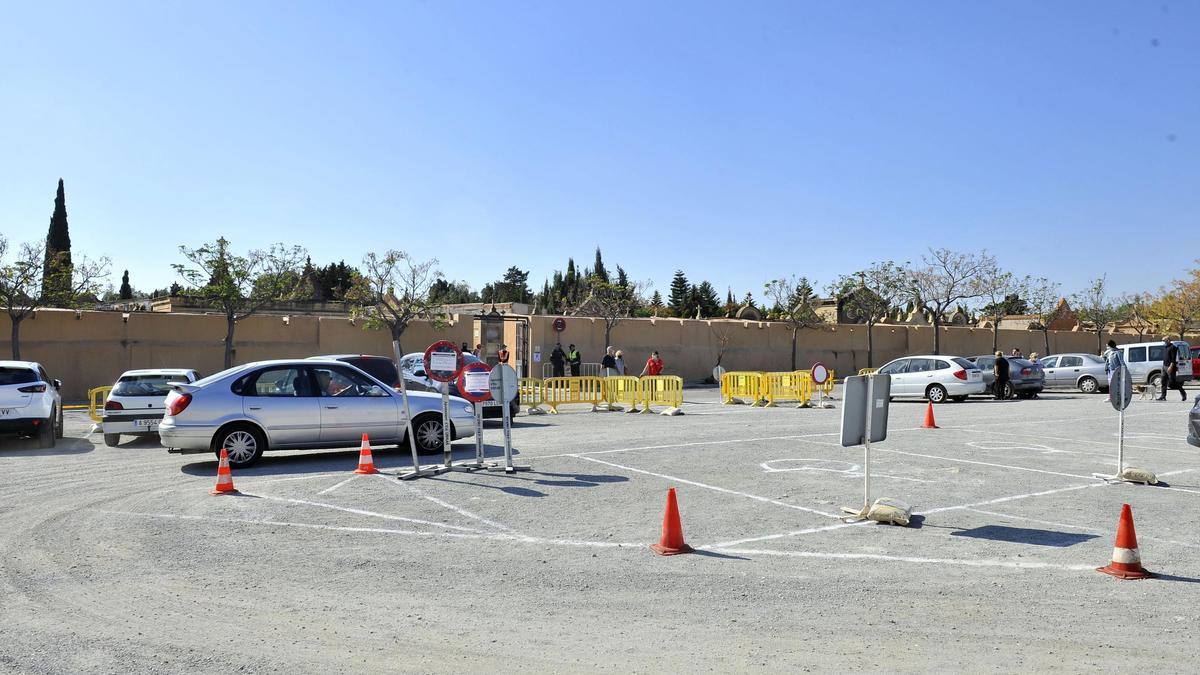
[(96, 347)]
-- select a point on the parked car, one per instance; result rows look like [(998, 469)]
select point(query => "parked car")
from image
[(1195, 360), (136, 404), (30, 405), (1077, 371), (1193, 435), (936, 378), (1025, 377), (413, 366), (1145, 361), (300, 404)]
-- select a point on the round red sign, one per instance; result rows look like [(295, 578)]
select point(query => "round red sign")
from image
[(473, 382), (560, 324), (819, 373), (443, 360)]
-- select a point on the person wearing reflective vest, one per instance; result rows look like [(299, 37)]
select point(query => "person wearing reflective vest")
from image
[(574, 359)]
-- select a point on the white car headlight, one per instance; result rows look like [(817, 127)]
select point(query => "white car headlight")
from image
[(468, 409)]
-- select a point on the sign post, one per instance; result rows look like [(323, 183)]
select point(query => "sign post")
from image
[(502, 382), (417, 471), (820, 375), (1120, 395), (864, 421), (473, 386), (443, 361)]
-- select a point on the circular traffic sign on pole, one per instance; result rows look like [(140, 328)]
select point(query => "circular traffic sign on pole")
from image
[(443, 360), (820, 374), (560, 324), (503, 383), (473, 382)]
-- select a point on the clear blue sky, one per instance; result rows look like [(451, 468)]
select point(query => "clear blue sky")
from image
[(737, 141)]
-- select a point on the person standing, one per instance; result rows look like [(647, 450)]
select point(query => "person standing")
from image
[(654, 366), (609, 363), (503, 354), (1170, 370), (620, 361), (1112, 358), (575, 359), (1000, 369), (558, 359), (464, 348), (1016, 353)]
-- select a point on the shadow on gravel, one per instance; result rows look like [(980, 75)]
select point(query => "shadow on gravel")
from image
[(714, 554), (1025, 535), (294, 462), (29, 448), (515, 490), (1172, 577)]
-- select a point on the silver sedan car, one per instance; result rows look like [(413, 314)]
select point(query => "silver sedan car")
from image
[(296, 404), (1084, 372)]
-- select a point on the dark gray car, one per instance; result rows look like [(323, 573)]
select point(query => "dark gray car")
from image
[(1025, 378)]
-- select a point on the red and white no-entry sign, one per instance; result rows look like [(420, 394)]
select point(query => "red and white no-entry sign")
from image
[(473, 382), (820, 374), (443, 360)]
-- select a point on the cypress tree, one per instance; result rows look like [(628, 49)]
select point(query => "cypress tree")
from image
[(599, 270), (57, 268), (680, 298), (126, 292)]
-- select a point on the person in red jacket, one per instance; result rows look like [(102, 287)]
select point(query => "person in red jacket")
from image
[(654, 365), (503, 354)]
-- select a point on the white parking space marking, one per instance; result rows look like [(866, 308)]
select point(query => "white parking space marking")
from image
[(457, 509), (363, 512), (671, 446), (676, 479), (782, 535), (966, 461), (334, 487), (849, 470), (1013, 445)]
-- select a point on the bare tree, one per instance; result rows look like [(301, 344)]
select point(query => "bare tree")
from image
[(723, 338), (1135, 307), (1042, 298), (1000, 289), (870, 296), (797, 305), (395, 290), (22, 290), (1095, 306), (238, 285), (946, 278), (610, 302)]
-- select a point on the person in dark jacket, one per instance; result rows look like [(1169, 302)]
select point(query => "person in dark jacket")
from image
[(558, 359), (609, 363), (1170, 370), (1001, 371), (575, 360)]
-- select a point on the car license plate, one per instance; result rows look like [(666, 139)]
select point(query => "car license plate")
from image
[(149, 424), (490, 403), (7, 411), (976, 375)]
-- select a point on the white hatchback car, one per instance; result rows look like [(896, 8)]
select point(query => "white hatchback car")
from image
[(934, 377), (29, 402), (137, 402)]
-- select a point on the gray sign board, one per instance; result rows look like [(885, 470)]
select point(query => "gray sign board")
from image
[(854, 409), (1120, 388)]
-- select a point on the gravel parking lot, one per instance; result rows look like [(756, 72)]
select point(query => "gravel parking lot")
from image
[(118, 559)]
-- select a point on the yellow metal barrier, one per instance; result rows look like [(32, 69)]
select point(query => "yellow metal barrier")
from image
[(96, 398), (795, 386), (529, 389), (624, 390), (665, 390), (737, 385), (557, 391), (866, 371), (827, 387)]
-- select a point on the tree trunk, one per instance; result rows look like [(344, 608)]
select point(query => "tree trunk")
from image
[(1046, 339), (937, 342), (1100, 340), (397, 331), (230, 323), (870, 344), (16, 338), (795, 329), (995, 334), (607, 336)]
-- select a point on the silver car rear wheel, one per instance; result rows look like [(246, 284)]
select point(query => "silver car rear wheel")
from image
[(244, 445)]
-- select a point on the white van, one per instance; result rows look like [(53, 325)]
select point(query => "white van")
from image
[(1145, 361)]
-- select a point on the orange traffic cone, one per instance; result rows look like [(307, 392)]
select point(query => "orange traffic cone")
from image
[(672, 531), (1126, 561), (224, 477), (366, 463), (929, 423)]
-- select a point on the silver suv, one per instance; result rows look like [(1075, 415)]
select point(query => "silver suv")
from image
[(1145, 361)]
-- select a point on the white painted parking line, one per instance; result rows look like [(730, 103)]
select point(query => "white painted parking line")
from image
[(676, 479), (781, 535), (334, 487), (363, 512), (671, 446), (1012, 564), (457, 509)]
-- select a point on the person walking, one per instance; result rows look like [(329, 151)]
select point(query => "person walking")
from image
[(620, 361), (575, 359), (558, 359), (609, 363), (503, 354), (1000, 369), (1170, 370), (1016, 353), (654, 366), (478, 351), (464, 349), (1112, 363)]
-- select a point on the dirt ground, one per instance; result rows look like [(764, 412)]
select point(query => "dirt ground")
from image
[(119, 560)]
